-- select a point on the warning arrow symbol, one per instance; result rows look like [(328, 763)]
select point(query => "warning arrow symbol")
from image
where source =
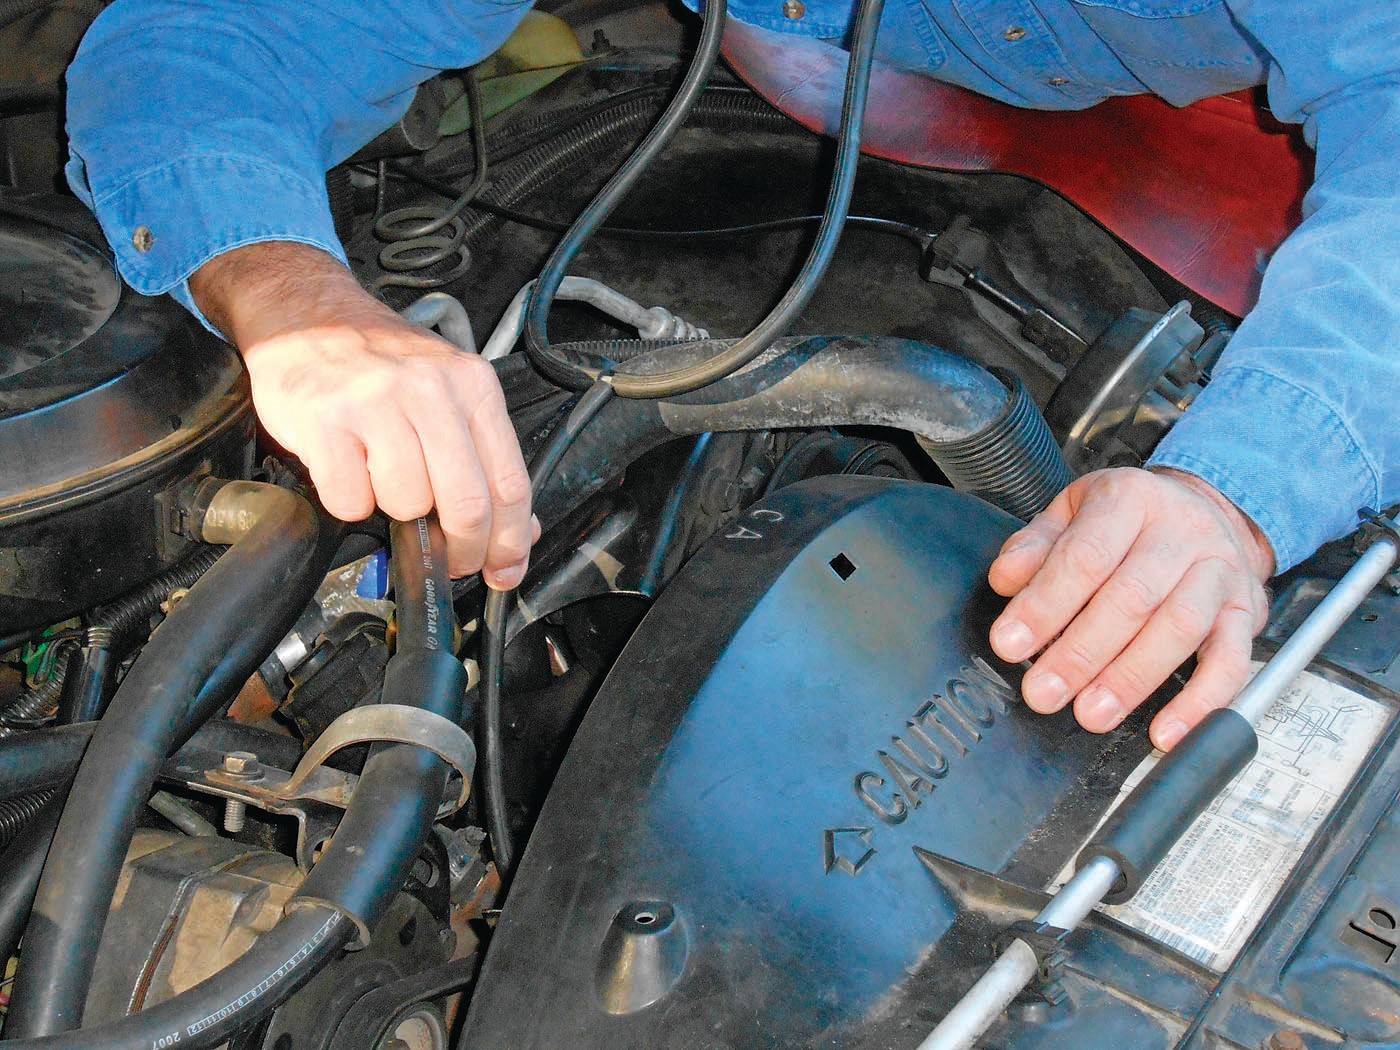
[(847, 849)]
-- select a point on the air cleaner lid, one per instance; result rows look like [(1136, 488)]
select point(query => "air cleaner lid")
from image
[(95, 380), (57, 289)]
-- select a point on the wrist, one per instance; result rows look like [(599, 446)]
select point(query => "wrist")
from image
[(255, 291), (1256, 545)]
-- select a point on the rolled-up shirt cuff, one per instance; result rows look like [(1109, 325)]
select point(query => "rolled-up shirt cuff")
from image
[(1279, 453), (225, 202)]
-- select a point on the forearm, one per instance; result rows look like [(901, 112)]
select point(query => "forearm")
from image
[(1296, 426), (195, 129)]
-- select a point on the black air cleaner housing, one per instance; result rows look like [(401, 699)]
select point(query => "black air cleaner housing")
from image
[(107, 400)]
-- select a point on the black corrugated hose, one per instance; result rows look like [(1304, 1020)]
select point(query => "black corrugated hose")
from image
[(364, 864)]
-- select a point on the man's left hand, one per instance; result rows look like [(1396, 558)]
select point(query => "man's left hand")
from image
[(1125, 575)]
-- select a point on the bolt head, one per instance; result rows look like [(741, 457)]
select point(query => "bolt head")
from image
[(1286, 1039), (241, 763)]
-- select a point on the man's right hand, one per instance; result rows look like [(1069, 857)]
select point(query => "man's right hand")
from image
[(380, 411)]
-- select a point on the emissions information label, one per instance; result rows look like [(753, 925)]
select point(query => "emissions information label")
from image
[(1210, 892)]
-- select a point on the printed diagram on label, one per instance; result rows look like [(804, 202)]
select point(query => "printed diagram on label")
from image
[(1210, 892)]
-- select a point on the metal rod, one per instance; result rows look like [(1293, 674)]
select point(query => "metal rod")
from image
[(1255, 699), (984, 1002)]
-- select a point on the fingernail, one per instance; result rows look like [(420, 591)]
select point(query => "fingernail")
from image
[(1099, 711), (1012, 640), (1170, 735), (505, 579), (536, 529), (1045, 693)]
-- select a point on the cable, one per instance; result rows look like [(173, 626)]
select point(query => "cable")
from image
[(914, 234), (414, 249), (494, 617), (565, 373), (682, 380)]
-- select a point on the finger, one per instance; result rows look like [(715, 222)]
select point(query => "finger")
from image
[(1221, 670), (507, 479), (459, 489), (1023, 554), (1084, 556), (396, 467), (1174, 631), (336, 461), (1099, 634)]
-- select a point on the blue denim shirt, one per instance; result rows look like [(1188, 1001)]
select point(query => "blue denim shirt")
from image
[(209, 124)]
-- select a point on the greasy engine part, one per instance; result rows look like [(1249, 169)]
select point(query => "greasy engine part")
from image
[(108, 399), (187, 907), (770, 833)]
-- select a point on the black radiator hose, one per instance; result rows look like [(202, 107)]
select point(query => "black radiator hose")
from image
[(982, 431), (194, 664), (365, 863)]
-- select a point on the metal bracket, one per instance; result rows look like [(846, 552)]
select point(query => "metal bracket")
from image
[(392, 724), (1048, 944)]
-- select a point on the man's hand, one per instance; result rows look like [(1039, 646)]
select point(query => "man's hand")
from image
[(1125, 575), (380, 411)]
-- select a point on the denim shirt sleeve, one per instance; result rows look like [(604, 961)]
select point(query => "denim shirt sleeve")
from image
[(197, 127), (1298, 426)]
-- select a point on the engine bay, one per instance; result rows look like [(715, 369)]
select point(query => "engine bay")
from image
[(759, 779)]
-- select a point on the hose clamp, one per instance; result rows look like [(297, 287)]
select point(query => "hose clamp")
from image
[(391, 724)]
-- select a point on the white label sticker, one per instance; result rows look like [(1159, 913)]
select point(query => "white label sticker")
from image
[(1211, 890)]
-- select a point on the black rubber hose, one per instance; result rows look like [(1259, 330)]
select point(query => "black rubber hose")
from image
[(112, 629), (1177, 790), (43, 758), (401, 786), (563, 372), (48, 757), (494, 618), (365, 863), (203, 1017), (603, 129), (944, 399), (204, 651)]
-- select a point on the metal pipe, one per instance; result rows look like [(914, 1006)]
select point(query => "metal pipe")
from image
[(984, 1002), (445, 313), (655, 322)]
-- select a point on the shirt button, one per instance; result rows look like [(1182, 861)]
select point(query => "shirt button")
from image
[(794, 9), (1015, 32), (142, 238), (1058, 81)]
